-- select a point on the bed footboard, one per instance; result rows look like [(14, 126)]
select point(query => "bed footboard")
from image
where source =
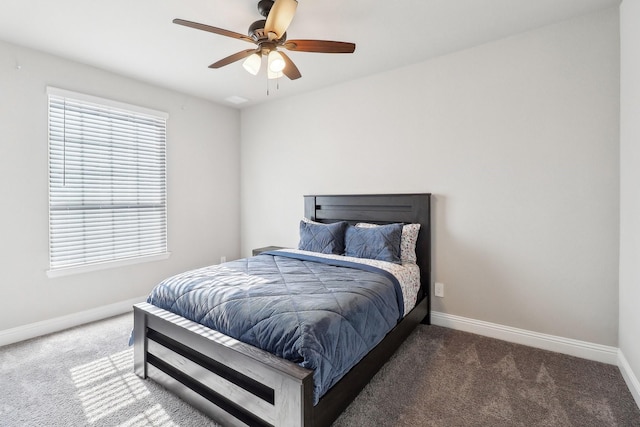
[(234, 383)]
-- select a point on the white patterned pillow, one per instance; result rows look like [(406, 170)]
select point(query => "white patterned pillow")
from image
[(407, 242)]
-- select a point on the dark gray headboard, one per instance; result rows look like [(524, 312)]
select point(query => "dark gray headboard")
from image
[(380, 209)]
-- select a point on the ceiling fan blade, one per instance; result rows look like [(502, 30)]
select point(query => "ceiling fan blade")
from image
[(290, 69), (211, 29), (279, 18), (233, 58), (320, 46)]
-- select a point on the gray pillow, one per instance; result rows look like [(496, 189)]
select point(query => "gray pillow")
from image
[(322, 238), (380, 243)]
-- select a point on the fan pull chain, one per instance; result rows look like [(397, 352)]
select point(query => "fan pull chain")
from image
[(277, 84)]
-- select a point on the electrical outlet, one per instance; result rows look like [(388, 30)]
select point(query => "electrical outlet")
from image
[(223, 259), (439, 290)]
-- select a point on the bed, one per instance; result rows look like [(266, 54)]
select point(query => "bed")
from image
[(239, 384)]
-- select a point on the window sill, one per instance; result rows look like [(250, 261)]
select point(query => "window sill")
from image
[(105, 265)]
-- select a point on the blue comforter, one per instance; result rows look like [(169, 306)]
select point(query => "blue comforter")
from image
[(323, 314)]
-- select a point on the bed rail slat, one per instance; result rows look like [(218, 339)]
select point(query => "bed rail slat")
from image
[(224, 372), (188, 394), (221, 392)]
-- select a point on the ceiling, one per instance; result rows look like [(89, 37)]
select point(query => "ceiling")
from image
[(136, 38)]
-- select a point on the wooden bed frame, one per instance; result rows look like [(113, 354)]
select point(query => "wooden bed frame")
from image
[(237, 384)]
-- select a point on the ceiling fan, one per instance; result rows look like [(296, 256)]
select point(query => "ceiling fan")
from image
[(270, 35)]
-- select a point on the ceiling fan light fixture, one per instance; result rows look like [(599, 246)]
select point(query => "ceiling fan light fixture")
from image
[(252, 63), (276, 62), (268, 36)]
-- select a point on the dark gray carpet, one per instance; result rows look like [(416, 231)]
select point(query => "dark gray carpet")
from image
[(439, 377), (442, 377)]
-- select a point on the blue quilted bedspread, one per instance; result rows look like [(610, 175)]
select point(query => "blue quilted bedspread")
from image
[(324, 315)]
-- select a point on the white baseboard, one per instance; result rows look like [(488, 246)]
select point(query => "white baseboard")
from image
[(583, 349), (32, 330), (629, 377)]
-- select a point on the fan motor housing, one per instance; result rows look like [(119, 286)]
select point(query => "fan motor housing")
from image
[(256, 30), (257, 33)]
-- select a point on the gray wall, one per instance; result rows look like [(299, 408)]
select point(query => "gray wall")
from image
[(517, 140), (203, 186), (629, 181)]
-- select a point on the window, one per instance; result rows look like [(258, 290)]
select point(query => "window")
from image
[(107, 181)]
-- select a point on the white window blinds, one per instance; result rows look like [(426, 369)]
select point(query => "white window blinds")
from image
[(107, 181)]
